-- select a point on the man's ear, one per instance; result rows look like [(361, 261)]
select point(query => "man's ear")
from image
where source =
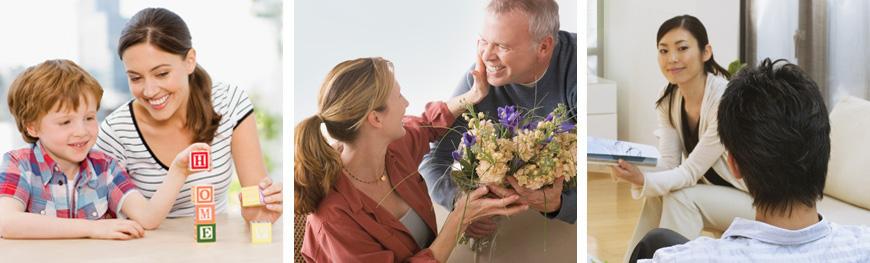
[(732, 165), (546, 46)]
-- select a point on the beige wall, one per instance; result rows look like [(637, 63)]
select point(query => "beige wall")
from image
[(630, 57)]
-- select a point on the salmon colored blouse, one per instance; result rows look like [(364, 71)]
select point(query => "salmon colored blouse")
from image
[(348, 226)]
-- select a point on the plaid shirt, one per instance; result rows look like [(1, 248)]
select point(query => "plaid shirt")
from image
[(31, 176)]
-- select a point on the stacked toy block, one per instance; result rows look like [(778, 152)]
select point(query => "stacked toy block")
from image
[(203, 200), (261, 232), (205, 214)]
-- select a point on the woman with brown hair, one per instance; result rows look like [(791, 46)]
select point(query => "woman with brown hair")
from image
[(364, 199), (176, 104)]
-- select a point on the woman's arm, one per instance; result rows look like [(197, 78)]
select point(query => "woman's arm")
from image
[(15, 223), (339, 238), (251, 169), (703, 157), (435, 121), (151, 212)]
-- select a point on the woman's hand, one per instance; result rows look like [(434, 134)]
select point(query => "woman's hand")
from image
[(474, 95), (628, 172), (474, 206), (468, 208), (481, 86), (182, 160), (274, 198)]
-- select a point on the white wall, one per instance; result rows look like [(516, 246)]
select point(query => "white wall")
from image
[(630, 56), (431, 43)]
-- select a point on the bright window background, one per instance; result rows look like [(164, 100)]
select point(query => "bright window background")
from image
[(237, 41), (431, 43)]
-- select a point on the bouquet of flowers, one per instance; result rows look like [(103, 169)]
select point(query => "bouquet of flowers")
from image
[(547, 150), (535, 151)]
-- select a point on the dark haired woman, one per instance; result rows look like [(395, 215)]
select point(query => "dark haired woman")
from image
[(175, 105), (688, 141)]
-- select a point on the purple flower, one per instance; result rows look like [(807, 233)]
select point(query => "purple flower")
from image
[(531, 125), (457, 155), (549, 117), (468, 139), (549, 139), (509, 117), (566, 127)]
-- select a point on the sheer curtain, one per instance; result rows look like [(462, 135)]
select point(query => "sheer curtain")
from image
[(848, 48), (775, 24)]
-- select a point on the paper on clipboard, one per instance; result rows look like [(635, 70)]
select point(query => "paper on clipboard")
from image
[(607, 152)]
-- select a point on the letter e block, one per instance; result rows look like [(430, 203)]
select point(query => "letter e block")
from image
[(206, 233)]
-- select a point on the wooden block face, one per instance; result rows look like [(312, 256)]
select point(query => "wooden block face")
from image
[(206, 233), (199, 161), (205, 214), (251, 196), (202, 194), (261, 232)]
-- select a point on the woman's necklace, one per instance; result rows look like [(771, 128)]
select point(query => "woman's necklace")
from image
[(381, 179)]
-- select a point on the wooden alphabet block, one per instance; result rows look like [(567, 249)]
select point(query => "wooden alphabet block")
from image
[(202, 194), (251, 196), (205, 214), (261, 232), (206, 233), (199, 161)]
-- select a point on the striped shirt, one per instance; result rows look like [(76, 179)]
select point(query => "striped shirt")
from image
[(754, 241), (120, 138)]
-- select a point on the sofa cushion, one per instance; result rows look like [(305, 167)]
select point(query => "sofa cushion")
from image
[(842, 213), (849, 167)]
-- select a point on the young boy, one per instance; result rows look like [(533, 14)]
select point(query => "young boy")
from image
[(58, 187)]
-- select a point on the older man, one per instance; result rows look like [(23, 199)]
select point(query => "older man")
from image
[(529, 63)]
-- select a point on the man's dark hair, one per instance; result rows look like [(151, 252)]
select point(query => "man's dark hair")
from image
[(773, 121)]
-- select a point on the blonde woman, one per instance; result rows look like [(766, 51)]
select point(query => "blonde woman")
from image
[(366, 202)]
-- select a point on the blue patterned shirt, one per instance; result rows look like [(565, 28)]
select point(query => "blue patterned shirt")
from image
[(754, 241)]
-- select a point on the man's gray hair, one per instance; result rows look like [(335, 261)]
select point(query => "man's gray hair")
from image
[(543, 15)]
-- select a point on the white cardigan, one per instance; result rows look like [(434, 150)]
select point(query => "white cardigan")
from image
[(676, 170)]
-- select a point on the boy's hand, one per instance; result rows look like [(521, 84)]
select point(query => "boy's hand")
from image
[(183, 158), (118, 229)]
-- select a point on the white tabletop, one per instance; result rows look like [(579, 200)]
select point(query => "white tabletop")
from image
[(174, 241)]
